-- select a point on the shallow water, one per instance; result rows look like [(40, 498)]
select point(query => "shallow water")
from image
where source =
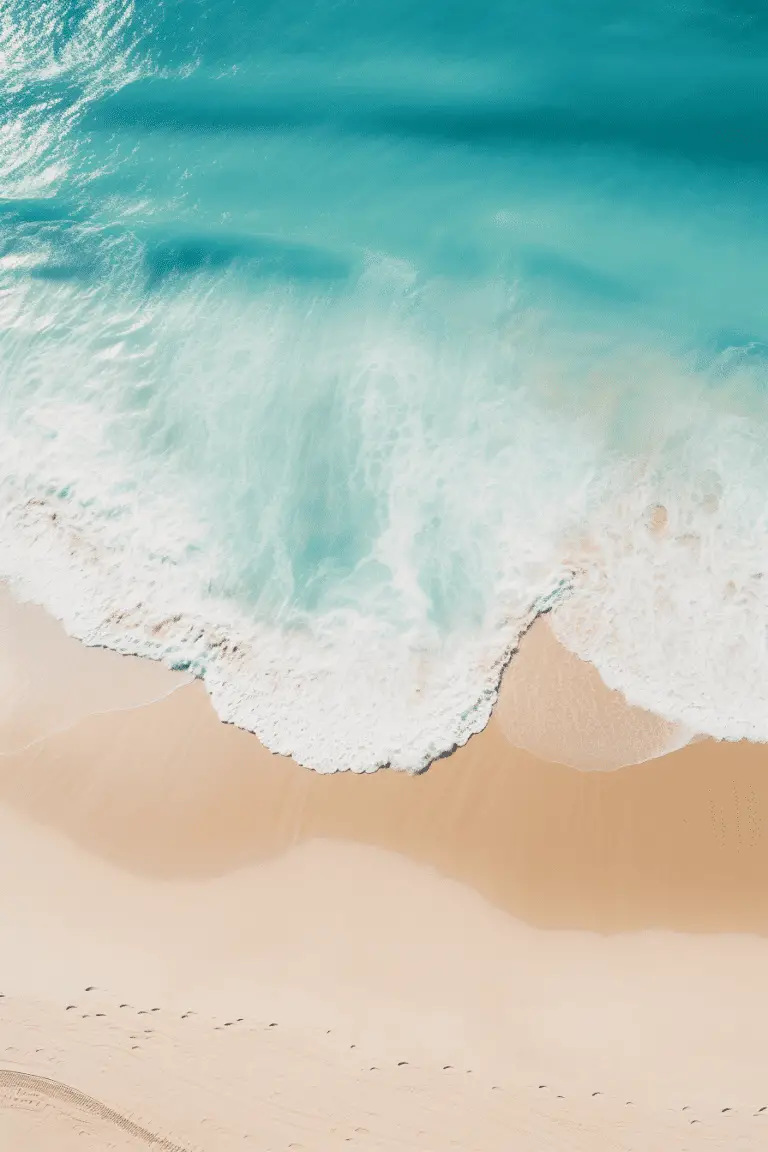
[(338, 340)]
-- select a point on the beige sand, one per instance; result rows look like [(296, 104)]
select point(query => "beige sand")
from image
[(391, 929), (557, 707)]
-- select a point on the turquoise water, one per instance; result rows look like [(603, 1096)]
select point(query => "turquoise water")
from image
[(337, 340)]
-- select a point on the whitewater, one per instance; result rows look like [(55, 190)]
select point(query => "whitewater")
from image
[(338, 342)]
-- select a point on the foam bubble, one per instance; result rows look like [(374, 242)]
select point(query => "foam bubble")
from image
[(141, 513), (671, 599), (332, 483)]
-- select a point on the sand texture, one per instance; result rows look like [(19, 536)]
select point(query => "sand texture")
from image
[(204, 946)]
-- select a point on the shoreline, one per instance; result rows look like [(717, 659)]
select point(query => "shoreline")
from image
[(223, 949), (674, 842)]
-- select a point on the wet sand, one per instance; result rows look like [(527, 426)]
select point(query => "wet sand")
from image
[(430, 949), (164, 789)]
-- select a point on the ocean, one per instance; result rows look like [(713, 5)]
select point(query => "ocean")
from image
[(339, 340)]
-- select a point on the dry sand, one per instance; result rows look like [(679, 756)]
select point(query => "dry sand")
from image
[(501, 953)]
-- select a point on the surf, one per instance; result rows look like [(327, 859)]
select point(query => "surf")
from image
[(324, 372)]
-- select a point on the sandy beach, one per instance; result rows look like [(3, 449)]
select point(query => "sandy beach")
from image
[(383, 576), (205, 946)]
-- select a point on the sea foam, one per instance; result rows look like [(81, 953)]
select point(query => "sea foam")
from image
[(384, 648), (325, 368)]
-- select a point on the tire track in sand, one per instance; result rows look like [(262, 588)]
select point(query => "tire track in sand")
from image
[(62, 1093)]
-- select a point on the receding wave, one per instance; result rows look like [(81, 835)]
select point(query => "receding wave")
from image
[(322, 373)]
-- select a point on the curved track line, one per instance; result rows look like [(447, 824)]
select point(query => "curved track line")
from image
[(55, 1090), (91, 715)]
